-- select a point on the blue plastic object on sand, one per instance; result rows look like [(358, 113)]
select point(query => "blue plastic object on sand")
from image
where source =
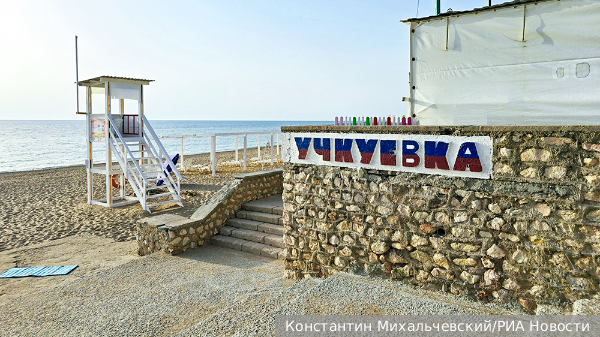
[(167, 168), (38, 271)]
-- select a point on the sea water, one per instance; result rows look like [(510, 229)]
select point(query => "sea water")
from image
[(30, 145)]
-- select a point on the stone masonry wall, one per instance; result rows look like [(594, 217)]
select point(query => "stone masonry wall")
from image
[(174, 234), (530, 234)]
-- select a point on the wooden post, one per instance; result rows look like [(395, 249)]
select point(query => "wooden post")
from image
[(213, 154), (107, 127), (245, 150), (236, 147), (89, 143), (271, 149)]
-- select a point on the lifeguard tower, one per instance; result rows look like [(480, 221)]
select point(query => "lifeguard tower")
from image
[(142, 161)]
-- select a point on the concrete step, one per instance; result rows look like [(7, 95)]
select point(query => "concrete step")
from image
[(256, 226), (262, 217), (272, 204), (248, 246), (254, 236)]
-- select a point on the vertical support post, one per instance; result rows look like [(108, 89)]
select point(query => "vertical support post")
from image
[(447, 28), (259, 146), (271, 149), (107, 127), (89, 143), (76, 75), (437, 7), (236, 147), (213, 154), (182, 162), (245, 150), (122, 178), (411, 108), (524, 14), (278, 144), (141, 113)]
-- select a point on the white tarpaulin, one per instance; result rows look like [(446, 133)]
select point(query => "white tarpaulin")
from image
[(489, 75)]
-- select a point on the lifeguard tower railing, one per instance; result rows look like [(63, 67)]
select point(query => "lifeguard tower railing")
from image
[(139, 169), (274, 136)]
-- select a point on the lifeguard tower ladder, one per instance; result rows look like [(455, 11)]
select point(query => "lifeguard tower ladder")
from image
[(128, 138)]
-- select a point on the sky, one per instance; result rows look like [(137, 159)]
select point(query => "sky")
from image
[(213, 60)]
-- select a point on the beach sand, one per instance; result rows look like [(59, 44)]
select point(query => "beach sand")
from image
[(50, 204)]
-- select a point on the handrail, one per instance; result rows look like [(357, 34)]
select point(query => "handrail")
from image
[(127, 148), (162, 149), (164, 175), (137, 187), (126, 168), (132, 177)]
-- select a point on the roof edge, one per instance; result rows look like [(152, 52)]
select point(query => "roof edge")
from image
[(115, 79), (475, 10)]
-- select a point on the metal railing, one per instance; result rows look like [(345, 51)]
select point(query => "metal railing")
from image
[(213, 145), (162, 155), (122, 158)]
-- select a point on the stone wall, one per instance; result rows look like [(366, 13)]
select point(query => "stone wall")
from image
[(530, 234), (174, 234)]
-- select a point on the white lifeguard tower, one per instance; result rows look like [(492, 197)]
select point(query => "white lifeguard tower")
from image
[(129, 140)]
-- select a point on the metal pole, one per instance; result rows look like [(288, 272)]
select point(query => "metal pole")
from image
[(259, 146), (489, 2), (76, 75), (236, 147), (245, 150), (182, 164), (278, 144), (271, 149), (213, 154), (437, 7)]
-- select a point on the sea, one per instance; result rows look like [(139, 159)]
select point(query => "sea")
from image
[(33, 145)]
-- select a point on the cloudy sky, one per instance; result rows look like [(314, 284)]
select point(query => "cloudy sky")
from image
[(213, 60)]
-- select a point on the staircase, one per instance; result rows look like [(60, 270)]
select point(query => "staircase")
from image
[(141, 159), (257, 229)]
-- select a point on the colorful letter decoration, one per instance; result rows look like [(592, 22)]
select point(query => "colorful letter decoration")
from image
[(343, 148), (386, 151), (303, 145), (467, 156), (366, 149), (323, 146), (435, 154), (410, 158)]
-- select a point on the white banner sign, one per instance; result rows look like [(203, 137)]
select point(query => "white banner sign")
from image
[(429, 154)]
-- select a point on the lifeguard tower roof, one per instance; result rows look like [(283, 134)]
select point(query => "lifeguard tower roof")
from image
[(100, 80)]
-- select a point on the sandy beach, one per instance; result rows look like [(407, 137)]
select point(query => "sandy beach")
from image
[(49, 204)]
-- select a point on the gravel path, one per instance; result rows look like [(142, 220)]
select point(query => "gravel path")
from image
[(346, 294), (157, 295), (211, 291)]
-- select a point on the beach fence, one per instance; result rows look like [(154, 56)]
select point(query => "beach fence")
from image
[(274, 137)]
